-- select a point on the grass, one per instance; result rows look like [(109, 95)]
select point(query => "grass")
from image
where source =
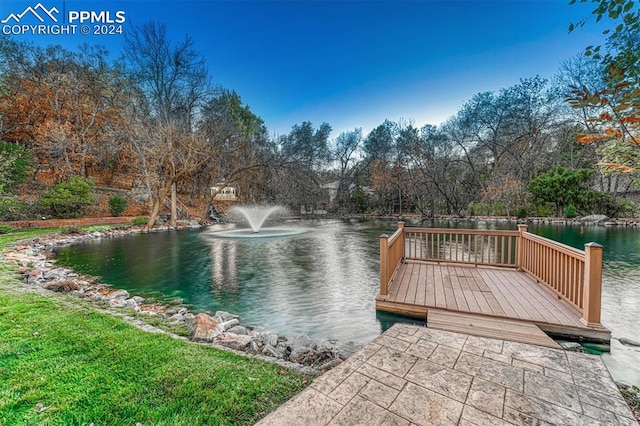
[(63, 364), (23, 234)]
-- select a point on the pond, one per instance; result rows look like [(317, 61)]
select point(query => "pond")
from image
[(323, 282)]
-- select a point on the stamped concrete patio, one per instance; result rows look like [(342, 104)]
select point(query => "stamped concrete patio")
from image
[(414, 375)]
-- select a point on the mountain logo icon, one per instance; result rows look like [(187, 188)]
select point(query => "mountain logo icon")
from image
[(38, 11)]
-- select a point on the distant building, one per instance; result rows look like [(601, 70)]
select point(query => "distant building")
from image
[(332, 190), (227, 193)]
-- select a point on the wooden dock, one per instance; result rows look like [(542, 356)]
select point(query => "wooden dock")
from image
[(481, 277)]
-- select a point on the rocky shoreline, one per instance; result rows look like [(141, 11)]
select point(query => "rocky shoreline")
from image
[(222, 329)]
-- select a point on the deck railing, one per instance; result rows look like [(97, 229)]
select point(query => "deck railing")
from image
[(573, 275), (477, 247), (391, 254)]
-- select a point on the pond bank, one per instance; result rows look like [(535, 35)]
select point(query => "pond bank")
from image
[(222, 329), (594, 220)]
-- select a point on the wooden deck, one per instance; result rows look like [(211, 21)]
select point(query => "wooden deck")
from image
[(419, 286)]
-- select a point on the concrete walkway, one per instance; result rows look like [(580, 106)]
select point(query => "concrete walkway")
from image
[(414, 375)]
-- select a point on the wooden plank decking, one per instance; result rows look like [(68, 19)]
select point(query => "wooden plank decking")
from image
[(496, 328), (418, 287)]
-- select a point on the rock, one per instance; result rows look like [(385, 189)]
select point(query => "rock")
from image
[(172, 310), (117, 303), (234, 341), (299, 353), (224, 326), (223, 316), (328, 345), (203, 327), (272, 351), (348, 349), (271, 339), (132, 304), (303, 340), (570, 346), (238, 329), (138, 299), (63, 286), (177, 318), (595, 218), (253, 347), (118, 294)]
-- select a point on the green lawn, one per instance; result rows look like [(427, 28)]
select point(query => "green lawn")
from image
[(70, 365)]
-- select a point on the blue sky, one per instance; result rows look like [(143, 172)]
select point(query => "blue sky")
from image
[(354, 63)]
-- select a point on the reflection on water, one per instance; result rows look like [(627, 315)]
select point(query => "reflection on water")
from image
[(324, 282)]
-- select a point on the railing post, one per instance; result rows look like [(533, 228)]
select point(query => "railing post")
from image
[(520, 245), (384, 264), (401, 237), (592, 286)]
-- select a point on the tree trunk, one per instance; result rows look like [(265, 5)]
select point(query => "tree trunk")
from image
[(155, 211), (174, 205)]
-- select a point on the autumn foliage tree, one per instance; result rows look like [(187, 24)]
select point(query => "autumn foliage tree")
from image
[(63, 106), (616, 108)]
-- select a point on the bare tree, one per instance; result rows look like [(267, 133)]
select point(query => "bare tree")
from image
[(175, 82)]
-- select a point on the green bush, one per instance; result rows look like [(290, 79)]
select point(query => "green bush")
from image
[(544, 210), (68, 200), (5, 229), (117, 205), (498, 209), (11, 208), (570, 212), (521, 213), (478, 209), (139, 221)]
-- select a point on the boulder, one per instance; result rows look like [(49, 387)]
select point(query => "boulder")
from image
[(63, 286), (299, 353), (203, 327), (226, 325), (328, 345), (119, 294), (253, 347), (132, 304), (234, 341), (272, 351), (271, 339), (303, 340), (238, 329), (223, 316), (117, 303)]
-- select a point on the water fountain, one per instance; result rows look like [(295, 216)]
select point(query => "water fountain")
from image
[(256, 217)]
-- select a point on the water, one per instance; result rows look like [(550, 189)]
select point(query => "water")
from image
[(620, 289), (324, 282)]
